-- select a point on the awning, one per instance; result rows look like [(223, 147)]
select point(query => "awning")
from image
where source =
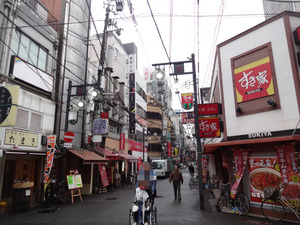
[(88, 157), (128, 157), (210, 148), (106, 153), (110, 155)]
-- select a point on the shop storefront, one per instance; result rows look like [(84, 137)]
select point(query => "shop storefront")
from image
[(87, 164), (22, 176), (252, 165)]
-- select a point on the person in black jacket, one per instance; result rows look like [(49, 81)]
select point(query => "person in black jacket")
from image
[(191, 169)]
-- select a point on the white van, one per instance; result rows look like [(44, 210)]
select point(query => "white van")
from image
[(162, 167)]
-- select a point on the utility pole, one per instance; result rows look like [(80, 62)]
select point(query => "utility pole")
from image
[(179, 70), (103, 46)]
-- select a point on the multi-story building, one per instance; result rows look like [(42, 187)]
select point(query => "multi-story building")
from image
[(127, 111), (28, 42), (272, 8), (256, 78)]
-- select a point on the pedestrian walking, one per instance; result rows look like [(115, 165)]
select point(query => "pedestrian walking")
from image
[(176, 177)]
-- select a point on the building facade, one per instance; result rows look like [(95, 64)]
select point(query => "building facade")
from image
[(29, 37), (256, 78)]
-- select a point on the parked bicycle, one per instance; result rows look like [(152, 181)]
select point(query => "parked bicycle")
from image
[(57, 192), (226, 203), (274, 205), (194, 181)]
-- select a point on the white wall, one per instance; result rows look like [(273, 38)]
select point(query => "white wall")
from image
[(275, 120), (34, 103)]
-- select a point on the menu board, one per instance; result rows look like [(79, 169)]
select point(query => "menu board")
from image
[(74, 181)]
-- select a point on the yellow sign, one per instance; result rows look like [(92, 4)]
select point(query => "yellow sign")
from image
[(9, 96), (14, 137)]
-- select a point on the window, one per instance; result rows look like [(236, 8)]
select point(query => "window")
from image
[(28, 50), (28, 120), (140, 91), (140, 111)]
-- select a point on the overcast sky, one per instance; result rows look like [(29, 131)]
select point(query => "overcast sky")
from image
[(181, 32)]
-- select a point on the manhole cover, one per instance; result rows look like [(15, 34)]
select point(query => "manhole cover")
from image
[(111, 199)]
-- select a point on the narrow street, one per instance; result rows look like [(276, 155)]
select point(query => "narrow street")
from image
[(113, 208)]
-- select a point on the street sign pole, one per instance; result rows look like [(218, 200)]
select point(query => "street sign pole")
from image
[(180, 71), (197, 133)]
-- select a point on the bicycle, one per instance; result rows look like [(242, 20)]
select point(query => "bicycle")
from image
[(241, 203), (149, 207), (273, 205), (57, 192), (194, 182)]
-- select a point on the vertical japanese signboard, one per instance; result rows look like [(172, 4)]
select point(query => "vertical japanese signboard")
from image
[(51, 140), (132, 103), (254, 80), (103, 174), (169, 147), (122, 142)]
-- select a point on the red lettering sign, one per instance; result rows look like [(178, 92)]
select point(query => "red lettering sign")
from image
[(169, 146), (122, 141), (209, 127), (254, 80), (103, 174), (208, 109)]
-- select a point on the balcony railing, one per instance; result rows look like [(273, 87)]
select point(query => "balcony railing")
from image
[(44, 14)]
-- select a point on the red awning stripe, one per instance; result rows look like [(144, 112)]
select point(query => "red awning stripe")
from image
[(210, 148), (128, 157)]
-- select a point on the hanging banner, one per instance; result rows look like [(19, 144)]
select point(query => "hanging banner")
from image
[(187, 100), (240, 161), (264, 172), (289, 172), (51, 140), (122, 142), (169, 147), (204, 168), (103, 174)]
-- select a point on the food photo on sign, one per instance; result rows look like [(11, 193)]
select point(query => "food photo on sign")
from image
[(271, 171), (264, 172)]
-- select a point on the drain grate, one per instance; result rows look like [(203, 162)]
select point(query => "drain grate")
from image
[(111, 199)]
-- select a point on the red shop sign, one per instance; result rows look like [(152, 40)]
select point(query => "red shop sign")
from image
[(209, 127), (209, 109), (254, 80)]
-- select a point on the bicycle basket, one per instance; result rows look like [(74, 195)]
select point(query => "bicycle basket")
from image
[(271, 192)]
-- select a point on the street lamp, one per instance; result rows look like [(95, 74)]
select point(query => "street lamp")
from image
[(78, 104)]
